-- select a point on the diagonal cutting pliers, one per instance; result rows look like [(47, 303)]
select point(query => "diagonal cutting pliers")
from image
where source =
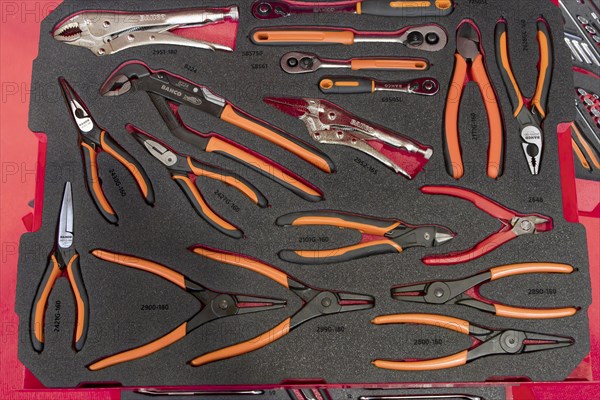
[(379, 236), (316, 303), (64, 258), (465, 291), (185, 170), (529, 113), (488, 342), (213, 305), (94, 139), (514, 224)]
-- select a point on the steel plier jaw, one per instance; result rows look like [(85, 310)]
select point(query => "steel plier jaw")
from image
[(108, 32)]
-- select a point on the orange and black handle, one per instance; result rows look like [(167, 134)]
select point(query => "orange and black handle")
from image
[(580, 145), (285, 36), (405, 8), (94, 184), (249, 123), (392, 63), (346, 85)]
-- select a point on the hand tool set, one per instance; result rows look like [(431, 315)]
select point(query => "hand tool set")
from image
[(130, 327)]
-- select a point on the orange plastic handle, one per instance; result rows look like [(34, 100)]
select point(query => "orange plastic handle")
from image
[(81, 305), (543, 66), (39, 307), (454, 160), (532, 313), (580, 155), (496, 144), (251, 264), (516, 97), (452, 361), (245, 347), (442, 321), (95, 186), (586, 147), (366, 63), (529, 268), (332, 253), (142, 264), (302, 36), (345, 223), (141, 351)]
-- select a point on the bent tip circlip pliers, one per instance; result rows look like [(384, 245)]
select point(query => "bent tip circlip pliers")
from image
[(529, 113), (64, 258), (469, 65), (329, 124), (488, 342), (107, 32), (379, 236), (94, 139), (213, 305), (514, 224), (316, 303), (465, 291), (185, 169)]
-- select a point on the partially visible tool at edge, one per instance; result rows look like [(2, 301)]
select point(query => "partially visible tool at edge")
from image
[(196, 393), (486, 342), (185, 169), (585, 35), (450, 396), (92, 140), (429, 37), (63, 259), (315, 303), (514, 224), (330, 124), (585, 152), (295, 62), (528, 112), (469, 65), (107, 32), (356, 84), (266, 9), (308, 394), (379, 236), (212, 306), (465, 291)]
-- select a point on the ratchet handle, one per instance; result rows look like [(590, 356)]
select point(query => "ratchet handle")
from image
[(405, 8), (287, 36), (346, 85)]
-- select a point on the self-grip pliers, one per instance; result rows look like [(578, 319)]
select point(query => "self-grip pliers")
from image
[(185, 169), (64, 258), (316, 303), (213, 305), (488, 342), (469, 65), (514, 224), (330, 124), (529, 113), (94, 139), (379, 236), (465, 291), (107, 32), (137, 76)]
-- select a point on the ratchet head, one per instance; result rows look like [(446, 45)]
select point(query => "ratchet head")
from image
[(270, 9), (296, 62), (429, 37), (424, 86), (119, 82)]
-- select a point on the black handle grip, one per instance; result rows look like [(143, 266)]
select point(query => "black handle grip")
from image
[(333, 218), (406, 8), (94, 184), (346, 85), (82, 305), (40, 301)]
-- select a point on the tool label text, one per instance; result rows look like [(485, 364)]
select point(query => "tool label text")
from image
[(118, 183), (331, 329), (164, 52), (536, 199), (259, 66), (56, 322), (252, 53), (227, 200), (541, 291), (391, 99), (153, 17), (366, 165), (171, 90), (524, 36), (154, 307), (428, 342), (474, 127), (478, 2), (313, 239), (190, 68)]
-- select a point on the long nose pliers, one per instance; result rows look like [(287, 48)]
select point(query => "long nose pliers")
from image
[(465, 291), (94, 139), (214, 305)]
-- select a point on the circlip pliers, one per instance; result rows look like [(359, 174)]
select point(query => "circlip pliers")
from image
[(379, 236), (529, 113), (316, 303), (514, 224), (488, 342), (459, 291), (213, 305), (94, 139), (185, 169)]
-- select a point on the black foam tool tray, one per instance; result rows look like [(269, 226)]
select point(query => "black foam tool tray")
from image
[(129, 307)]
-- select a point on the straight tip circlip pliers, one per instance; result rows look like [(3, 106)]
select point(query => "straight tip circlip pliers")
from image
[(379, 236), (213, 305), (488, 342), (107, 32), (64, 258), (94, 139), (465, 291), (529, 113), (316, 303)]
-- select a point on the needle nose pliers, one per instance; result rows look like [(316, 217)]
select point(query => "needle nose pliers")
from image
[(316, 303), (514, 224), (64, 258), (379, 236), (455, 291), (488, 342), (469, 65), (94, 139), (529, 113), (214, 305)]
